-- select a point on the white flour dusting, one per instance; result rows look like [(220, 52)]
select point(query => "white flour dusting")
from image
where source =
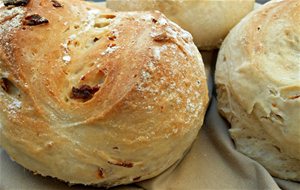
[(110, 50), (16, 104), (158, 50), (147, 17), (66, 58), (16, 14), (72, 37), (162, 21), (92, 15), (13, 107)]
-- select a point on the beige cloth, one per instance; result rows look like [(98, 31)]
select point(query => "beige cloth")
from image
[(211, 164)]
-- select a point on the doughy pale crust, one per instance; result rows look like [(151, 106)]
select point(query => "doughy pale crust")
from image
[(96, 97), (209, 21), (258, 86)]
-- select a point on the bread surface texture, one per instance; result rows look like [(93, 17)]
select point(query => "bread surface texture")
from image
[(258, 86), (209, 21), (95, 97)]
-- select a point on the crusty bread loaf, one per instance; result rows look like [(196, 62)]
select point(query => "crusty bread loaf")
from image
[(258, 86), (209, 21), (94, 97)]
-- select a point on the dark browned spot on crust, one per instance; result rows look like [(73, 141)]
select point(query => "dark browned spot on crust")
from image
[(84, 92), (56, 4), (137, 178), (154, 20), (277, 148), (15, 2), (4, 84), (35, 19), (115, 148), (96, 39), (100, 173), (124, 164)]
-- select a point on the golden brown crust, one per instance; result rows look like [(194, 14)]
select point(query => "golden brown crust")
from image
[(110, 97)]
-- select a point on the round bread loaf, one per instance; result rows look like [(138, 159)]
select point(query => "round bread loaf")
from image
[(209, 21), (93, 97), (258, 86)]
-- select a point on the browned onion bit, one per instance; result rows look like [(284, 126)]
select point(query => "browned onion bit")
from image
[(84, 92), (112, 38), (35, 19), (15, 2), (56, 4), (154, 20)]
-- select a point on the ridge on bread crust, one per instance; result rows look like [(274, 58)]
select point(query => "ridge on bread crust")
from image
[(113, 98)]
